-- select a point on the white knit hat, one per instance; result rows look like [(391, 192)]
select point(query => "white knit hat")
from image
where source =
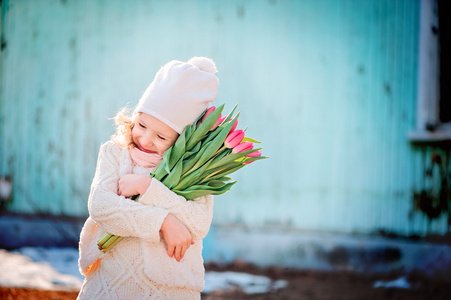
[(180, 92)]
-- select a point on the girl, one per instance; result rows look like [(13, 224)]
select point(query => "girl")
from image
[(161, 254)]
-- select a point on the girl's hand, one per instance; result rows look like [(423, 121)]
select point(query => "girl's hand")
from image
[(133, 184), (177, 237)]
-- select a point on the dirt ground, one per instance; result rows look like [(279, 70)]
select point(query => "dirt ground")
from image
[(303, 285)]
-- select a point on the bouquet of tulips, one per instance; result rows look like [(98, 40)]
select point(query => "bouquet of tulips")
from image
[(201, 158)]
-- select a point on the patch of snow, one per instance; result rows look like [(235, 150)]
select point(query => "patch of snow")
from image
[(64, 260), (57, 269), (20, 271), (399, 283), (248, 283)]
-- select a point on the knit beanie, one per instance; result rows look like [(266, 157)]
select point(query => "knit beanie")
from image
[(180, 92)]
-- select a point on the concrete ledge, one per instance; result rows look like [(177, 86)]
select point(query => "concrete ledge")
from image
[(327, 251), (18, 231)]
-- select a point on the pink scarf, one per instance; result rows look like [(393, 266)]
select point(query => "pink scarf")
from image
[(144, 159)]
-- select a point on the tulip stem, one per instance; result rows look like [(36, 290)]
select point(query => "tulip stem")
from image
[(112, 244), (103, 239), (221, 149), (211, 159), (212, 174)]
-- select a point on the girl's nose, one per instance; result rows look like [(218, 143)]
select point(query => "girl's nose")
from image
[(146, 141)]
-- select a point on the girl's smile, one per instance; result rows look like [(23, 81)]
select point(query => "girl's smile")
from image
[(144, 150), (151, 135)]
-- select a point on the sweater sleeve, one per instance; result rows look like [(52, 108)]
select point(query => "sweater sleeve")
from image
[(196, 214), (116, 214)]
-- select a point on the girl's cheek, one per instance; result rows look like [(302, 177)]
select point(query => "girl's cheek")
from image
[(135, 132), (166, 147)]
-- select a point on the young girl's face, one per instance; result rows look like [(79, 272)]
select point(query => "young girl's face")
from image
[(151, 135)]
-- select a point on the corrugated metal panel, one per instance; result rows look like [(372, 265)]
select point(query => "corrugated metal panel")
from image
[(329, 86)]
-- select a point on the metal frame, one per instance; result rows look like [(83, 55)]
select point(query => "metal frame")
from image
[(428, 127)]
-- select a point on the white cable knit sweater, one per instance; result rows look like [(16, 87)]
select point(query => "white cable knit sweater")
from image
[(139, 267)]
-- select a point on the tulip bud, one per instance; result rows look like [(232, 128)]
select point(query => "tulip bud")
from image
[(233, 126), (208, 112), (219, 121), (234, 139), (243, 147), (253, 154)]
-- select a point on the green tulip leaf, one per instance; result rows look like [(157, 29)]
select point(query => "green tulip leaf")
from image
[(166, 158), (213, 134), (187, 131), (221, 155), (221, 189), (196, 148), (249, 159), (216, 183), (224, 178), (193, 163), (173, 178), (248, 139), (187, 179), (229, 116), (160, 172), (220, 173), (191, 195), (178, 149)]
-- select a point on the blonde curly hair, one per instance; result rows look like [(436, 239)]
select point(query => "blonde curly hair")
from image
[(124, 121)]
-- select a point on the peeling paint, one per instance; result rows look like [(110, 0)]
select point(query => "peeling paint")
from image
[(434, 199)]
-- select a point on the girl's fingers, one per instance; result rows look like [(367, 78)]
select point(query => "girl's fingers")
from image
[(171, 251), (177, 253), (184, 249), (182, 252)]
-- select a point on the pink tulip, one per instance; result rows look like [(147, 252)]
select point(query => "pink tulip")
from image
[(243, 147), (219, 121), (234, 139), (208, 112), (253, 154), (233, 126)]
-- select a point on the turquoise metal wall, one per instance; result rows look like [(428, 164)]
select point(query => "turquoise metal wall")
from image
[(329, 86)]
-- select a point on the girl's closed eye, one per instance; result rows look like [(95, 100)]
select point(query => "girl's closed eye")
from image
[(142, 125), (161, 137)]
